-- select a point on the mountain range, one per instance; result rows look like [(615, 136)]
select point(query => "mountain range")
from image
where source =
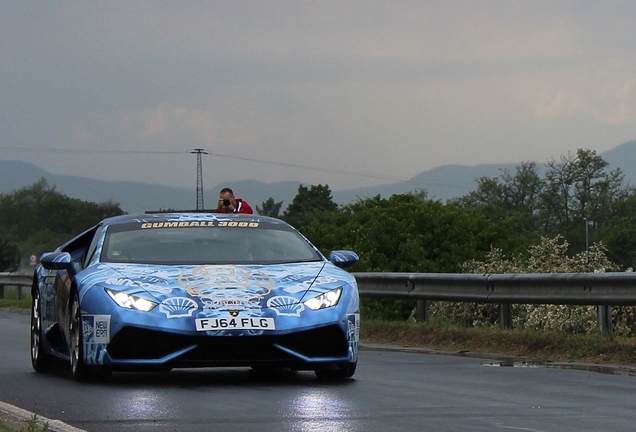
[(443, 183)]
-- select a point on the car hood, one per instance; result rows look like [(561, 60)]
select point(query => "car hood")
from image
[(230, 287)]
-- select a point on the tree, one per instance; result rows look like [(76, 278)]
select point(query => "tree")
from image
[(410, 233), (619, 233), (309, 204), (520, 191), (509, 196), (9, 254), (38, 218), (575, 190), (269, 208), (579, 188)]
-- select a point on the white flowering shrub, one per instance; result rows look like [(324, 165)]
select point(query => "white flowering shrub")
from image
[(550, 256)]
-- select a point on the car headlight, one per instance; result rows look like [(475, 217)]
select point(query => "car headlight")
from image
[(131, 302), (325, 300)]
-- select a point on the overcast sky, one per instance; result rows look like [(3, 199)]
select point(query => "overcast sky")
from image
[(345, 93)]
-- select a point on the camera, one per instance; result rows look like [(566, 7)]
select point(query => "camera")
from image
[(226, 202)]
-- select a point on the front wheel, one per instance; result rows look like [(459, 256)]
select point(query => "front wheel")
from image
[(40, 360), (78, 367)]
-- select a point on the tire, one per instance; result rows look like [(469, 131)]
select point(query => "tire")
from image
[(340, 372), (40, 360), (79, 370)]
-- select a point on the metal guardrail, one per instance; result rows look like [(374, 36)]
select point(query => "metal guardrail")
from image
[(600, 289), (616, 289), (21, 281)]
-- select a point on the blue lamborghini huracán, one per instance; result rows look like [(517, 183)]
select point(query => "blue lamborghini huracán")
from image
[(172, 290)]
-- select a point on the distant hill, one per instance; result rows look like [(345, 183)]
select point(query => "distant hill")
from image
[(443, 183), (623, 157), (135, 197), (453, 181)]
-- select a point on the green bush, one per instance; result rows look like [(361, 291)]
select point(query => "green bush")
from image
[(550, 256)]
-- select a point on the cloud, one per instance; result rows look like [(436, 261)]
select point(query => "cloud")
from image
[(160, 128), (607, 98), (371, 87)]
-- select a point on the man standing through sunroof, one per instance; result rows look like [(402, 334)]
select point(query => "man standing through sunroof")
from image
[(228, 203)]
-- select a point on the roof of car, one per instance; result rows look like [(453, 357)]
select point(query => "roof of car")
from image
[(188, 216)]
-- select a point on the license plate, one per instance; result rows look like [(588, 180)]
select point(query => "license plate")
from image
[(238, 323)]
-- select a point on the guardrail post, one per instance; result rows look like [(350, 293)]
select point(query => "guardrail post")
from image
[(1, 291), (505, 316), (604, 318), (421, 311), (18, 292)]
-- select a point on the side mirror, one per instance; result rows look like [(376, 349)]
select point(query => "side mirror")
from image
[(56, 260), (343, 258)]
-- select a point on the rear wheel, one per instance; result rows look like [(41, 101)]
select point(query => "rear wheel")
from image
[(78, 367), (40, 360)]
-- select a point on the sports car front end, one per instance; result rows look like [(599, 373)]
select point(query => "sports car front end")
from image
[(302, 316)]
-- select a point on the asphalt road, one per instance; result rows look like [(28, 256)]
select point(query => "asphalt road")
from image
[(392, 391)]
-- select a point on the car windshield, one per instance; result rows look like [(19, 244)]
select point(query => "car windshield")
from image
[(205, 243)]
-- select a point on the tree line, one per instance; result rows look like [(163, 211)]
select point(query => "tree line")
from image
[(576, 196), (37, 218)]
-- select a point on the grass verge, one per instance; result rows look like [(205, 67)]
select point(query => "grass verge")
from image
[(546, 346), (11, 300), (12, 424)]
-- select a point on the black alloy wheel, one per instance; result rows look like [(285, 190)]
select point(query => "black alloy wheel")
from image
[(40, 360)]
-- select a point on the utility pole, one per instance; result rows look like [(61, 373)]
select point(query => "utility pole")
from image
[(199, 152)]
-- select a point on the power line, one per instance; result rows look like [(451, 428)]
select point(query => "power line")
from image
[(289, 165), (76, 150)]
